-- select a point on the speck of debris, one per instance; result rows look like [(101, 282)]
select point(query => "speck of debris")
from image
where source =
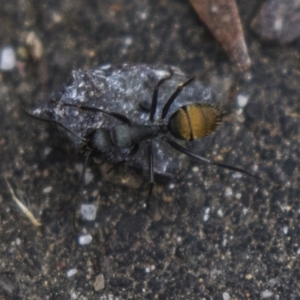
[(99, 283), (228, 192), (236, 175), (195, 169), (47, 151), (238, 196), (171, 186), (88, 177), (47, 189), (272, 282), (35, 46), (206, 214), (220, 213)]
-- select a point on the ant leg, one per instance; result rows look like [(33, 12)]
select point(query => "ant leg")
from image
[(116, 115), (84, 168), (155, 96), (54, 122), (133, 152), (81, 186), (191, 154), (174, 96), (151, 173)]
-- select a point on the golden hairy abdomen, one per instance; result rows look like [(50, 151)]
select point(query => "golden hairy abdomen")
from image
[(195, 121)]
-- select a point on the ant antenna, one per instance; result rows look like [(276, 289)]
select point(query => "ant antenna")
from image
[(118, 116), (155, 96), (81, 186), (54, 122)]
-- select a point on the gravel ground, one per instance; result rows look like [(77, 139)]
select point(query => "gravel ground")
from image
[(210, 233)]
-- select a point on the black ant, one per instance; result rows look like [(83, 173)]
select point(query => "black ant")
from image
[(190, 122)]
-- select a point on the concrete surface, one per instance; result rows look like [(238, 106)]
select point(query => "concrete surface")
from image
[(210, 233)]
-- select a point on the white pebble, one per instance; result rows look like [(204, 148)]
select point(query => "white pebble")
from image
[(266, 294), (85, 239), (242, 100), (226, 296), (7, 58), (71, 272), (171, 186)]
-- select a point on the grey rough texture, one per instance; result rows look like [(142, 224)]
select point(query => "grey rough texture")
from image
[(212, 232)]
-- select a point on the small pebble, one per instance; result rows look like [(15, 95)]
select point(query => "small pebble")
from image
[(35, 46), (242, 100), (88, 211), (7, 58), (47, 151), (85, 239), (88, 177), (71, 272), (47, 189), (99, 283), (220, 212), (266, 294), (272, 282), (179, 239), (206, 214), (228, 192), (226, 296)]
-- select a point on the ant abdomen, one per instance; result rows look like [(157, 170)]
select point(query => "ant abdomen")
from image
[(195, 121)]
